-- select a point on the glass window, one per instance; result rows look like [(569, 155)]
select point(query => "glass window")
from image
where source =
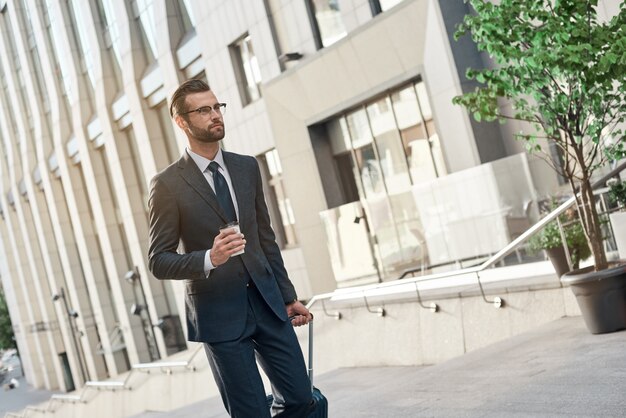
[(389, 144), (358, 128), (18, 72), (186, 12), (112, 34), (79, 21), (328, 24), (369, 170), (424, 103), (110, 38), (407, 110), (34, 55), (247, 69), (388, 4), (279, 204), (183, 33), (367, 167), (392, 144), (144, 17), (413, 134), (391, 153), (57, 46), (431, 131)]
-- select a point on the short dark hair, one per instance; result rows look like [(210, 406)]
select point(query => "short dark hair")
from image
[(177, 103)]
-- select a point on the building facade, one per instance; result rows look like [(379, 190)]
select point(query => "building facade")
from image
[(369, 169)]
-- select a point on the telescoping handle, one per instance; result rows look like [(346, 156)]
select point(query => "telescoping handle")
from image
[(311, 353), (310, 366)]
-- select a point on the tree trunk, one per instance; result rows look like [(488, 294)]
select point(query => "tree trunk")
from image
[(591, 225)]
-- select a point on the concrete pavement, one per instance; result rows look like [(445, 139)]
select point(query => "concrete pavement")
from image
[(15, 400), (556, 370)]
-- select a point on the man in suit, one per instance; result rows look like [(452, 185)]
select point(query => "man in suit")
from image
[(242, 307)]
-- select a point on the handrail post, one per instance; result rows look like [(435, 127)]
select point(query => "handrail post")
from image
[(433, 307), (337, 315), (380, 311), (497, 301)]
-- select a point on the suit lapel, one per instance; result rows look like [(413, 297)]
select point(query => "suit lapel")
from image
[(190, 172)]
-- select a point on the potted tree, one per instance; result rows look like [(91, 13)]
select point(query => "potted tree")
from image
[(561, 71)]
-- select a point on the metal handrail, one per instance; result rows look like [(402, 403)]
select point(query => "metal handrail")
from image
[(509, 248), (35, 409), (105, 384), (69, 398), (163, 365)]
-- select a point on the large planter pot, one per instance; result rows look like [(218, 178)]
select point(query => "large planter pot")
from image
[(601, 297), (559, 260)]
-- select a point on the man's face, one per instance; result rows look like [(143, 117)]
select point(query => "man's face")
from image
[(205, 128)]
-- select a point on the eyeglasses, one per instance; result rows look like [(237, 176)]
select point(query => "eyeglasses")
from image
[(219, 108)]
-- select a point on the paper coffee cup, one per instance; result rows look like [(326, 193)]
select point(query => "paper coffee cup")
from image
[(235, 226)]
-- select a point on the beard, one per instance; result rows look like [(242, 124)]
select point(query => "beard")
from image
[(207, 135)]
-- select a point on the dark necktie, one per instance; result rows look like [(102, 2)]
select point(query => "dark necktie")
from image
[(222, 192)]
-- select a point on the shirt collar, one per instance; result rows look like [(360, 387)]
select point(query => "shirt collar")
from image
[(203, 163)]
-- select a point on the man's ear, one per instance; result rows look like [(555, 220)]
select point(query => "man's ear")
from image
[(181, 122)]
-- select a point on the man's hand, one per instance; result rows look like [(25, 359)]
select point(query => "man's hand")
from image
[(226, 244), (299, 314)]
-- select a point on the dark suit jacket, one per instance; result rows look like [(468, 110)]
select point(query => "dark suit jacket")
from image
[(183, 209)]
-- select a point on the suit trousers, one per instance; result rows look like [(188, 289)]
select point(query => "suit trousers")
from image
[(274, 344)]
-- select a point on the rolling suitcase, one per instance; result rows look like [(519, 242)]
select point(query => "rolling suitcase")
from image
[(320, 409)]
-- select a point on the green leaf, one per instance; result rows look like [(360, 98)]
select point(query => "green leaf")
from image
[(561, 68)]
